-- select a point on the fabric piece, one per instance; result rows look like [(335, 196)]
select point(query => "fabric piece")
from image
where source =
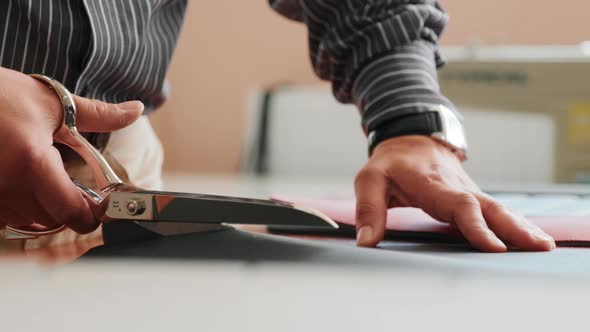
[(230, 245), (566, 230), (139, 151)]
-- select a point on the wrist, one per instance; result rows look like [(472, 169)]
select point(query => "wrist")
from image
[(414, 148), (413, 124), (439, 123)]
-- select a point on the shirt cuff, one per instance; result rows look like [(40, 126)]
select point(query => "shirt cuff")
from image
[(401, 83)]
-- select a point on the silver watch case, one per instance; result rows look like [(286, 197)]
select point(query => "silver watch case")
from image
[(452, 134)]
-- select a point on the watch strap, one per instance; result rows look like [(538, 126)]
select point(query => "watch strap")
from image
[(425, 123)]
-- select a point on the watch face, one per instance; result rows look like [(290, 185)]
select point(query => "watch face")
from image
[(452, 129)]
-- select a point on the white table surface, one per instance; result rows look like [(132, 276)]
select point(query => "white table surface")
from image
[(128, 296)]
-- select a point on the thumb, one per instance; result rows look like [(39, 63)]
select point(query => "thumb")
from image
[(97, 116)]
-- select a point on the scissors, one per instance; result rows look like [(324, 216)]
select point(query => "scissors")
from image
[(161, 212)]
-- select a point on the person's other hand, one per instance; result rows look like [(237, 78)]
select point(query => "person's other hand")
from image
[(34, 187), (417, 171)]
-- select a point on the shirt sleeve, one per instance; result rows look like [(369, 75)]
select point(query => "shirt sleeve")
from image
[(381, 55)]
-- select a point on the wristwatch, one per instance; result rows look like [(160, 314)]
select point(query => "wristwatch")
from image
[(439, 122)]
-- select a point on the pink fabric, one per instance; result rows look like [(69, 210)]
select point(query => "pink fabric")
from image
[(562, 229)]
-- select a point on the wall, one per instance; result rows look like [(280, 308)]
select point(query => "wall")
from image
[(227, 51)]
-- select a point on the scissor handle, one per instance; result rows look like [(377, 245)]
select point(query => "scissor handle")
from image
[(67, 133)]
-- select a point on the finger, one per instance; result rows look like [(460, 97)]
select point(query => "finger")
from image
[(31, 213), (97, 116), (14, 218), (512, 228), (463, 210), (42, 216), (2, 229), (371, 206), (60, 197)]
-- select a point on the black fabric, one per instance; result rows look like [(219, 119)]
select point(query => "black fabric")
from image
[(346, 231), (231, 245), (125, 240)]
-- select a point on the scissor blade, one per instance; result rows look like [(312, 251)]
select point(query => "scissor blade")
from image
[(174, 228), (211, 209), (234, 210)]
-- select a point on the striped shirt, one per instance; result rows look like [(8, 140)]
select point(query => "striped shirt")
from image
[(110, 50), (379, 54)]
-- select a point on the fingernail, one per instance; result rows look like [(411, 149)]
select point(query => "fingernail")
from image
[(544, 237), (498, 241), (364, 236), (131, 105)]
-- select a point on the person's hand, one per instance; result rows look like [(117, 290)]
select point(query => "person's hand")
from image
[(34, 187), (417, 171)]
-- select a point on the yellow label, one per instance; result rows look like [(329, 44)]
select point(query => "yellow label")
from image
[(578, 124)]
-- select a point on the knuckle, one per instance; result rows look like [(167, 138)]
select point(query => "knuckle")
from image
[(466, 200), (433, 177), (360, 178), (365, 175), (436, 201), (404, 164), (496, 208), (477, 228), (87, 228), (72, 211), (365, 210), (30, 156), (77, 219), (98, 106), (68, 215), (400, 165)]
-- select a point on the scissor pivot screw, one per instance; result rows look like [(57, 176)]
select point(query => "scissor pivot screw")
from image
[(135, 207)]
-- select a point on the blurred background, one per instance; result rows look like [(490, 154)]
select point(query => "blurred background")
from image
[(518, 70)]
